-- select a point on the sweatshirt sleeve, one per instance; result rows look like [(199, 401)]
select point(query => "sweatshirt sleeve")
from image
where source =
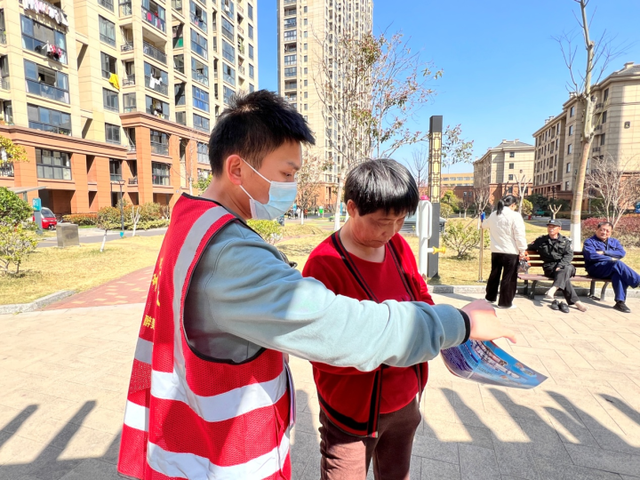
[(253, 294), (589, 252)]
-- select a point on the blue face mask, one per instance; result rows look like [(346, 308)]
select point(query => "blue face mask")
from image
[(281, 197)]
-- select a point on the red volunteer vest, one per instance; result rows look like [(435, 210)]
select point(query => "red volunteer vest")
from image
[(192, 418)]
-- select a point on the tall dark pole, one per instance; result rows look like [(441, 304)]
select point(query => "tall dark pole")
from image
[(435, 169)]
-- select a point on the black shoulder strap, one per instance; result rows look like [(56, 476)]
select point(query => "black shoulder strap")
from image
[(348, 261)]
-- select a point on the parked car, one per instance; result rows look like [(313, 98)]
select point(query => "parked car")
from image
[(49, 220)]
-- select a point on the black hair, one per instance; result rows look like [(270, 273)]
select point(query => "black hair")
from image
[(381, 184), (506, 201), (602, 224), (253, 126)]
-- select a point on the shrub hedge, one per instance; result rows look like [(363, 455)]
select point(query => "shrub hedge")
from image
[(627, 230)]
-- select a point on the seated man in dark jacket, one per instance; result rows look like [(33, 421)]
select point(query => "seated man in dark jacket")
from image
[(556, 253), (602, 256)]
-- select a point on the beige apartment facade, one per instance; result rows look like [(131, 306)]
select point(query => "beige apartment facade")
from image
[(616, 120), (308, 32), (111, 95), (502, 167)]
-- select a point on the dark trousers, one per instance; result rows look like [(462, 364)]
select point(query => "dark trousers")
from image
[(622, 276), (347, 457), (562, 281), (504, 264)]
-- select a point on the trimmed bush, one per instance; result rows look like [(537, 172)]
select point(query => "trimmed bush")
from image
[(461, 236), (270, 230), (16, 244), (82, 219), (627, 230)]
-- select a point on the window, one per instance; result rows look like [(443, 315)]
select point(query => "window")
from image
[(41, 39), (228, 29), (570, 148), (290, 72), (199, 44), (602, 139), (181, 118), (129, 102), (228, 51), (200, 99), (201, 123), (46, 82), (290, 22), (250, 11), (110, 100), (178, 63), (156, 79), (606, 95), (228, 8), (512, 154), (572, 111), (160, 174), (53, 165), (290, 36), (251, 87), (203, 152), (112, 133), (159, 142), (156, 107), (108, 4), (251, 72), (180, 93), (251, 51), (107, 31), (570, 130), (227, 93), (115, 169), (153, 14), (228, 74), (108, 65), (510, 176), (511, 166), (566, 186), (604, 117), (251, 31), (290, 59), (568, 170), (49, 120), (198, 16), (199, 72)]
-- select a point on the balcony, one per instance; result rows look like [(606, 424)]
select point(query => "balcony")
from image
[(49, 128), (156, 85), (125, 8), (129, 81), (6, 169), (181, 118), (291, 85), (242, 70), (154, 19), (44, 48), (200, 78), (599, 105), (596, 149), (126, 47), (133, 180), (4, 84), (176, 5), (3, 37), (153, 52), (116, 177), (289, 2), (159, 148), (47, 91), (108, 4)]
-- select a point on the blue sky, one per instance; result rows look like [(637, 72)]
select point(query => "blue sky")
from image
[(503, 70)]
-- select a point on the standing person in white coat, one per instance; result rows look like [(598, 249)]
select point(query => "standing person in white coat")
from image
[(508, 245)]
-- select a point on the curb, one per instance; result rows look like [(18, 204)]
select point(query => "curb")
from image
[(36, 304), (582, 292)]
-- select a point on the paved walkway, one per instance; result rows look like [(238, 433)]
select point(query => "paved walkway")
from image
[(64, 375)]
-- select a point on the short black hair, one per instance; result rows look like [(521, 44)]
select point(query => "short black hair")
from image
[(602, 224), (381, 184), (253, 126)]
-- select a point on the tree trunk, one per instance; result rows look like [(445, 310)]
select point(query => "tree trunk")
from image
[(578, 191), (336, 218), (104, 239)]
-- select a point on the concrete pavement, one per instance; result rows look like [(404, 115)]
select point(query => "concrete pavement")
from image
[(64, 375)]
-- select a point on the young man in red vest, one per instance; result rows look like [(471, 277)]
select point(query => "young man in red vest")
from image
[(375, 414), (210, 393)]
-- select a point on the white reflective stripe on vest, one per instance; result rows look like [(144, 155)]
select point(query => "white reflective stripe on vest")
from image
[(136, 416), (216, 408), (189, 465), (144, 351)]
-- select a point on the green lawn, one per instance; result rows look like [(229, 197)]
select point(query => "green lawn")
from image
[(81, 268)]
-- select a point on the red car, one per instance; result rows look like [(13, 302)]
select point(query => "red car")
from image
[(49, 220)]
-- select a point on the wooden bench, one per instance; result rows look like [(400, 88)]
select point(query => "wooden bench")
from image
[(578, 261)]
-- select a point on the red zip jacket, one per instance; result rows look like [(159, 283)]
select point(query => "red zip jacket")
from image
[(352, 399)]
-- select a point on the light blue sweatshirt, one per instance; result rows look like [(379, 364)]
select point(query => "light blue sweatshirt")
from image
[(243, 297)]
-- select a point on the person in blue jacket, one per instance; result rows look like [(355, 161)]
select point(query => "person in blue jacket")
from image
[(602, 258)]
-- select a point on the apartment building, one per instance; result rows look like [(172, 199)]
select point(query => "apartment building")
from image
[(308, 33), (616, 120), (118, 94), (502, 167)]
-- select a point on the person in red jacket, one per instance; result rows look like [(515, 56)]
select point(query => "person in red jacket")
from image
[(370, 415)]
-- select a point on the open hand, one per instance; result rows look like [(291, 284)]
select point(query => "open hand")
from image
[(485, 324)]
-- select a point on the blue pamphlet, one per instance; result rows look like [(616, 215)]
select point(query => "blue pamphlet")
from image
[(485, 362)]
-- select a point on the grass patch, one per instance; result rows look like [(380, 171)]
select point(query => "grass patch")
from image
[(49, 270), (293, 230)]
